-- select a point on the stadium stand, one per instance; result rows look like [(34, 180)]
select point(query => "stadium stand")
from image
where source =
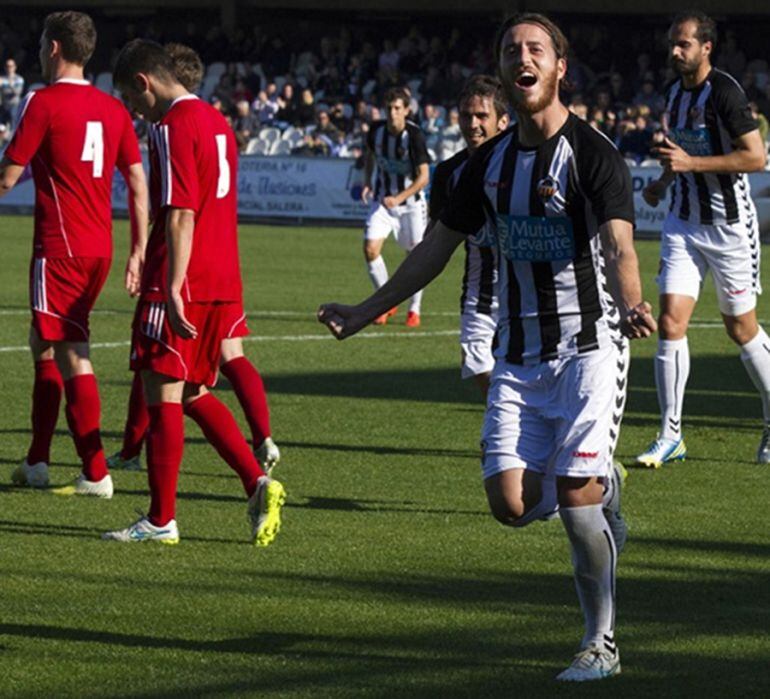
[(615, 85)]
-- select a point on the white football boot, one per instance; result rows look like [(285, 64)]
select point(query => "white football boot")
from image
[(268, 455), (662, 451), (144, 530), (81, 486), (264, 511), (33, 475), (593, 663)]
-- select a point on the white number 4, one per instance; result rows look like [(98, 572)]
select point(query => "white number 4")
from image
[(93, 148), (223, 183)]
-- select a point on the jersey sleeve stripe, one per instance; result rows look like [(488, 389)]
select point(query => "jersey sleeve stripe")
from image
[(165, 165), (23, 107)]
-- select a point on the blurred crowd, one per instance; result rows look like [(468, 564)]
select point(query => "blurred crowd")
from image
[(313, 87)]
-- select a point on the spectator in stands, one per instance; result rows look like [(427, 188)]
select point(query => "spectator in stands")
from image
[(731, 58), (277, 57), (619, 93), (649, 97), (11, 87), (224, 90), (409, 61), (451, 136), (325, 127), (287, 107), (241, 92), (644, 72), (268, 104), (435, 56), (217, 103), (305, 114), (579, 75), (338, 118), (389, 57), (323, 140), (636, 142), (580, 110), (434, 87), (245, 124), (433, 121), (332, 84)]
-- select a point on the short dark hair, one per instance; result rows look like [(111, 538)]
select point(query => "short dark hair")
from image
[(485, 86), (559, 41), (75, 32), (706, 27), (188, 66), (143, 56), (398, 93)]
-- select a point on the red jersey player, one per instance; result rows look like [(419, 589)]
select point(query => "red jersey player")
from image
[(190, 291), (240, 372), (74, 136)]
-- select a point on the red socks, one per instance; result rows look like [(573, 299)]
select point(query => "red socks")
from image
[(220, 429), (137, 421), (83, 414), (46, 397), (165, 444), (248, 387)]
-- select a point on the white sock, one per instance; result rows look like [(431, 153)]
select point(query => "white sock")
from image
[(594, 559), (415, 301), (378, 272), (755, 355), (672, 367)]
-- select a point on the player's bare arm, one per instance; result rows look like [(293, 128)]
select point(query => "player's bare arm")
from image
[(138, 213), (749, 156), (420, 183), (366, 190), (180, 224), (10, 173), (622, 268), (418, 269)]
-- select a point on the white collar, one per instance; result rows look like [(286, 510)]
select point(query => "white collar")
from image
[(182, 98), (72, 81)]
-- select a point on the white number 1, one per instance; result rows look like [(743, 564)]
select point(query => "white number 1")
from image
[(223, 184), (93, 148)]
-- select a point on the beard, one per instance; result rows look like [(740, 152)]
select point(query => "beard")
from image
[(685, 67), (549, 84)]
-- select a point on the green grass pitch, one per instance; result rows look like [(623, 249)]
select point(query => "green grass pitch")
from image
[(389, 577)]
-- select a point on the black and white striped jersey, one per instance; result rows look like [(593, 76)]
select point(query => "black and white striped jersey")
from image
[(398, 158), (546, 205), (705, 121), (479, 294)]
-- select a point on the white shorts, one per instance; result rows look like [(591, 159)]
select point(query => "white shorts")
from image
[(688, 251), (558, 418), (407, 223), (477, 333)]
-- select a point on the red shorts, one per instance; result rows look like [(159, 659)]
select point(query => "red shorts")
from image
[(155, 346), (62, 292), (238, 327)]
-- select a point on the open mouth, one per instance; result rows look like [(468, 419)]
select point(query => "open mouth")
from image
[(526, 80)]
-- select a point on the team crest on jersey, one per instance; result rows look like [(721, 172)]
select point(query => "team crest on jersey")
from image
[(546, 188), (695, 112)]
